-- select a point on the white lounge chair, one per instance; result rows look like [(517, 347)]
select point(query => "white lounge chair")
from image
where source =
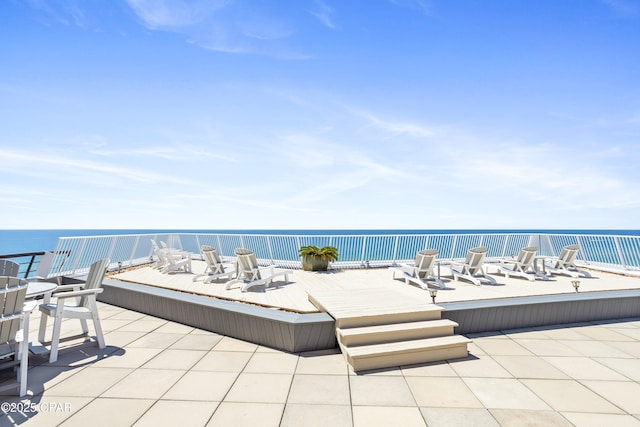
[(421, 271), (521, 266), (472, 268), (172, 264), (565, 265), (82, 306), (215, 267), (14, 339), (250, 274)]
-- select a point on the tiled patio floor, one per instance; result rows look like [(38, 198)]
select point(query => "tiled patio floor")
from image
[(155, 372)]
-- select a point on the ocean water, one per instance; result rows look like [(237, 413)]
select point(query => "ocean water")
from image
[(24, 241)]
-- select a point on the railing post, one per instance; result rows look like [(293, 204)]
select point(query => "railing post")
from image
[(269, 247), (620, 253), (504, 247), (584, 257), (364, 248), (395, 250), (79, 255), (133, 251), (453, 246), (112, 247)]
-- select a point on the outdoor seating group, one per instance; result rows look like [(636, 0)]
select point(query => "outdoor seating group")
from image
[(171, 260), (244, 270), (527, 265), (17, 302)]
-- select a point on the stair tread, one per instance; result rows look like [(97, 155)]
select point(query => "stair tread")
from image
[(377, 311), (396, 326), (399, 346)]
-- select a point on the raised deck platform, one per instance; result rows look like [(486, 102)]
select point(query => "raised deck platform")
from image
[(299, 325)]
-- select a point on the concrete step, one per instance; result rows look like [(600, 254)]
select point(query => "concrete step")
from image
[(379, 334), (355, 318), (401, 353)]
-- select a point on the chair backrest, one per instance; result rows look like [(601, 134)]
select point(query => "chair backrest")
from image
[(154, 245), (247, 264), (9, 268), (526, 256), (95, 277), (211, 257), (568, 255), (475, 258), (12, 293), (424, 262)]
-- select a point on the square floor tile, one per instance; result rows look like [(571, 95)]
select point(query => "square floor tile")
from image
[(625, 395), (502, 347), (232, 344), (90, 382), (145, 384), (109, 412), (258, 387), (444, 392), (598, 420), (529, 367), (370, 416), (584, 368), (276, 363), (175, 359), (380, 391), (520, 417), (504, 393), (296, 415), (177, 413), (630, 368), (434, 369), (197, 342), (548, 348), (483, 366), (223, 361), (201, 385), (570, 396), (322, 362), (458, 417), (247, 414), (320, 389)]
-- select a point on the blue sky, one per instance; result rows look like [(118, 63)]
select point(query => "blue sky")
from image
[(391, 114)]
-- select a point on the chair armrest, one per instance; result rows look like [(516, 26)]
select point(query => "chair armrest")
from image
[(65, 288), (74, 294)]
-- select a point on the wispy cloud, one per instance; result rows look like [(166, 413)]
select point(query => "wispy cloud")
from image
[(324, 13), (398, 127), (64, 168), (175, 14), (222, 25), (66, 12)]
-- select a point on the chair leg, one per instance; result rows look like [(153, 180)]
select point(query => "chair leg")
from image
[(55, 338), (96, 323), (85, 327), (43, 326), (24, 364)]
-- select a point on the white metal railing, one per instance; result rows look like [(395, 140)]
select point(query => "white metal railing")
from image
[(75, 254)]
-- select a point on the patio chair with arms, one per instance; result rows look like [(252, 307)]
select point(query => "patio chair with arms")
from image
[(82, 306)]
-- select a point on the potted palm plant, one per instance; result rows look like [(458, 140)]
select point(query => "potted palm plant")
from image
[(317, 259)]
